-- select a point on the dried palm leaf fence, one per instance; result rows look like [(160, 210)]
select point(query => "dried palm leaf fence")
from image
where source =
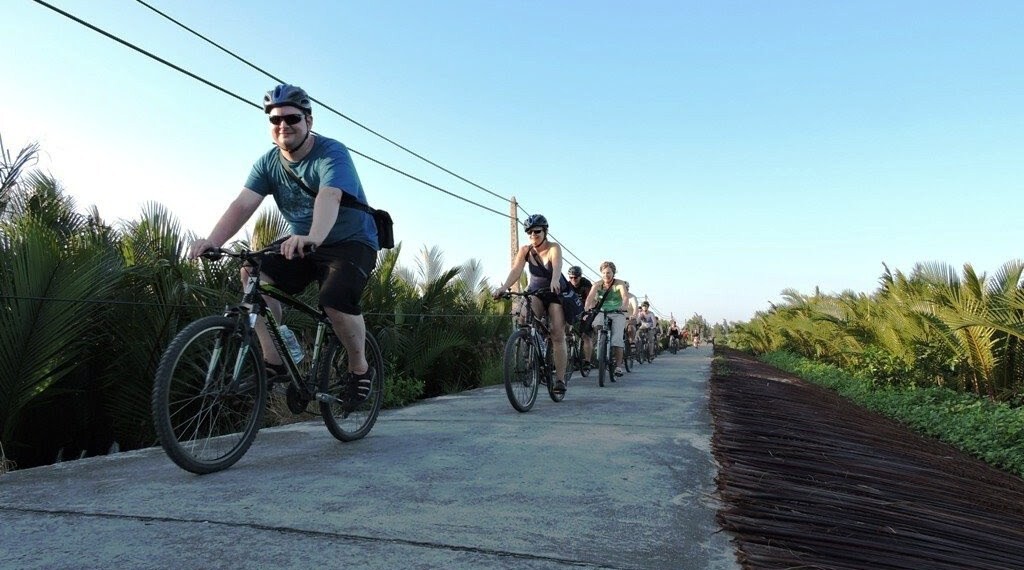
[(809, 480)]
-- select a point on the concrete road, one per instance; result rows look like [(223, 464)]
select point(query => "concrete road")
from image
[(614, 477)]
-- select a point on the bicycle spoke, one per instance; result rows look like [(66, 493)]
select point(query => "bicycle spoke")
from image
[(347, 415), (205, 415)]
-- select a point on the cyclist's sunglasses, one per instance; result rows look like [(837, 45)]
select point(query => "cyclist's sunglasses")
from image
[(534, 232), (288, 119)]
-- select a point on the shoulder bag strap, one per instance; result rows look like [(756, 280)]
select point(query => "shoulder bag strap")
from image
[(347, 200)]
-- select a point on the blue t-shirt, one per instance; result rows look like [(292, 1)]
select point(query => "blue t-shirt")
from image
[(327, 164)]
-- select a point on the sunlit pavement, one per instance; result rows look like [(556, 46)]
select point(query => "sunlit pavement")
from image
[(613, 477)]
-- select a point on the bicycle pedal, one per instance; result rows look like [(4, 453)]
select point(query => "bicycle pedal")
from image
[(327, 398)]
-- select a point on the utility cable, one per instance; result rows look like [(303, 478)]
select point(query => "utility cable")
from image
[(322, 104), (250, 103), (242, 99)]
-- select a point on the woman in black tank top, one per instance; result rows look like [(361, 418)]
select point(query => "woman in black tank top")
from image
[(545, 266)]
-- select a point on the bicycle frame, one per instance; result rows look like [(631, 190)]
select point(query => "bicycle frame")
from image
[(603, 343), (537, 329), (253, 305)]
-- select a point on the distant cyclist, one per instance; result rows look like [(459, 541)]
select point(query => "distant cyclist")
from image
[(647, 323), (673, 334), (543, 258), (618, 291)]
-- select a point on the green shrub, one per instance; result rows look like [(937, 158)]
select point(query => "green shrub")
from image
[(400, 390), (492, 373)]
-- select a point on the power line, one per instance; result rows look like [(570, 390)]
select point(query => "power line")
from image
[(322, 104), (242, 99), (351, 120), (250, 103)]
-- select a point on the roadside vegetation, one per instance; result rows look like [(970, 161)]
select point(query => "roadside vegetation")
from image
[(89, 306), (938, 350)]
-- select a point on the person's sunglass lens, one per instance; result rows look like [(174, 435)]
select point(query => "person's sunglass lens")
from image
[(288, 119)]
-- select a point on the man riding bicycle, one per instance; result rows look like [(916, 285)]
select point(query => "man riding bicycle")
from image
[(582, 286), (345, 239)]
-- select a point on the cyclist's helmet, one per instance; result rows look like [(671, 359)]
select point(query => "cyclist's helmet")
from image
[(575, 271), (645, 305), (287, 95), (535, 221)]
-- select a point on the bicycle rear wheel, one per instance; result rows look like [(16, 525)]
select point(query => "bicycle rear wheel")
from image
[(572, 355), (521, 371), (347, 417), (209, 395)]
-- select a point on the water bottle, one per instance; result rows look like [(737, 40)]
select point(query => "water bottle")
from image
[(291, 343)]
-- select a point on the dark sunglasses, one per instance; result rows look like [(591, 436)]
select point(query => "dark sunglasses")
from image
[(574, 277), (288, 119), (537, 231)]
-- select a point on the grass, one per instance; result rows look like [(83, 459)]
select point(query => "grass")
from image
[(492, 373), (990, 431)]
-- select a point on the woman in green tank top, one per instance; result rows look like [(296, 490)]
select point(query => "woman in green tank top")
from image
[(613, 301)]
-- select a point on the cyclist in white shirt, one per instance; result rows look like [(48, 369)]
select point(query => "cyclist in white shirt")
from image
[(648, 324)]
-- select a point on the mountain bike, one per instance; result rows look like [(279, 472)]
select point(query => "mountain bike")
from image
[(529, 359), (576, 357), (644, 347), (603, 346), (210, 391)]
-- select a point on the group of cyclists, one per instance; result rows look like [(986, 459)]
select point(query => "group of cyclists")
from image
[(626, 317), (334, 242)]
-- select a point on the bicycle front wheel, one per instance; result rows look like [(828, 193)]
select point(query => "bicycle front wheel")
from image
[(347, 416), (521, 371), (552, 375), (602, 357), (209, 395), (572, 356)]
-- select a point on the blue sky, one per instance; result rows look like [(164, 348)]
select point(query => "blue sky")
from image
[(718, 152)]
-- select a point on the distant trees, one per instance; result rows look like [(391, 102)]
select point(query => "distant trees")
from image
[(933, 326)]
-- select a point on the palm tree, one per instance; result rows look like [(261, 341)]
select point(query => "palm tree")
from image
[(10, 170), (55, 273)]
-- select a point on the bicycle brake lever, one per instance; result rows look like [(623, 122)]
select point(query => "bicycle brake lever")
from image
[(213, 254)]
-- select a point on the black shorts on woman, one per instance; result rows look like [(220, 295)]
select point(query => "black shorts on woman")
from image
[(340, 269), (548, 297)]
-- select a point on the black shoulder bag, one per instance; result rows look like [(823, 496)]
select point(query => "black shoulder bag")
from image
[(587, 324), (382, 219)]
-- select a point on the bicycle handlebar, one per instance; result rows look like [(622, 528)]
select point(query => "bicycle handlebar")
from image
[(215, 253)]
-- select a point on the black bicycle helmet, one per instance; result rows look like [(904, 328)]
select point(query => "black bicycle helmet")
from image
[(535, 221), (287, 95), (575, 271)]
